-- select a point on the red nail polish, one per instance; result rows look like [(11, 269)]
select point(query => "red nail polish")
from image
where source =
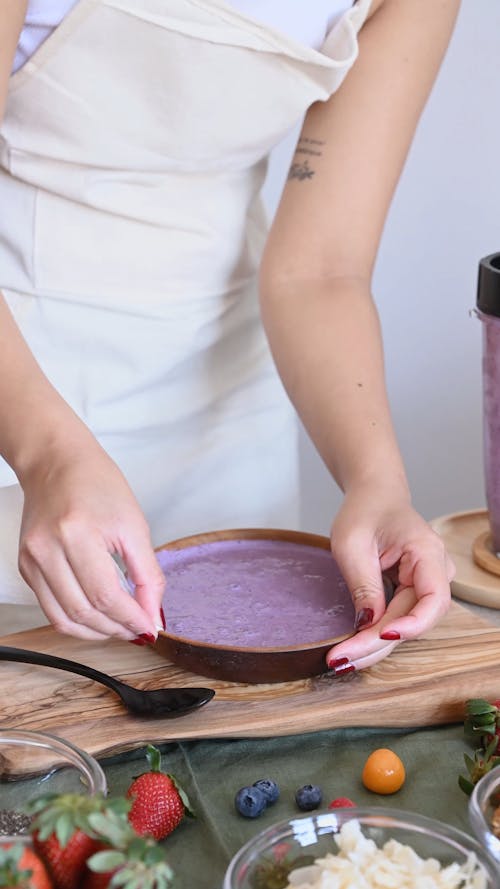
[(163, 621), (363, 618), (337, 662), (144, 639), (390, 635), (341, 671)]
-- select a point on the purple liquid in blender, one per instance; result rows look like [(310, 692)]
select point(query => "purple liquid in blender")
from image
[(488, 306), (491, 422)]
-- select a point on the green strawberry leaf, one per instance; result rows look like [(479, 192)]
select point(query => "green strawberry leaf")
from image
[(64, 829), (470, 763), (153, 757), (491, 748), (479, 706), (107, 860), (184, 797), (483, 719), (63, 814), (112, 826), (465, 785)]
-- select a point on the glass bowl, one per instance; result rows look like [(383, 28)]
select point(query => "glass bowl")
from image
[(268, 858), (36, 763), (481, 811)]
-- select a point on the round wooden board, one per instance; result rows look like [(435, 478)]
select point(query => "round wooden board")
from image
[(482, 551), (472, 583)]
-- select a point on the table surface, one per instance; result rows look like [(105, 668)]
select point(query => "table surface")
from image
[(211, 771)]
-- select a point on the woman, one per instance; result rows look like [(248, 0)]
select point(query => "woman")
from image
[(138, 396)]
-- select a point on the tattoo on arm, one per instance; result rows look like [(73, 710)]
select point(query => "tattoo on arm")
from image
[(301, 166)]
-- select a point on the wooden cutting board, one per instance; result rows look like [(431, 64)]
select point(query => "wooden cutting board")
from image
[(422, 683)]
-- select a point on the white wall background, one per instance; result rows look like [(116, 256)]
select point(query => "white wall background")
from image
[(444, 218)]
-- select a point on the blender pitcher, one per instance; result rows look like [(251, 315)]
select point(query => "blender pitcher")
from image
[(488, 310)]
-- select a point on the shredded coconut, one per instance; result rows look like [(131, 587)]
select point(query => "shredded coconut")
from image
[(361, 864)]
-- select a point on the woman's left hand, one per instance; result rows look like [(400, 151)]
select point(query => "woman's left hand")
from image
[(373, 533)]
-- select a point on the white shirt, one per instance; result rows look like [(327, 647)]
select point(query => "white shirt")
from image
[(306, 22)]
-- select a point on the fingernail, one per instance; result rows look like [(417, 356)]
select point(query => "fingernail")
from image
[(390, 635), (337, 662), (143, 639), (363, 618), (341, 671), (162, 615)]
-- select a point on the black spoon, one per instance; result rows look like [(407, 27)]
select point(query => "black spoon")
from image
[(164, 702)]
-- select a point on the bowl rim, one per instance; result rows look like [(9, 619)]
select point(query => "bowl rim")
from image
[(304, 538), (375, 815), (480, 794), (78, 757), (9, 838)]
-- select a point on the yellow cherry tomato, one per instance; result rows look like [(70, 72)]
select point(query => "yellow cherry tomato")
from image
[(383, 772)]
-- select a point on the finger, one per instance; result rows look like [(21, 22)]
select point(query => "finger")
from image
[(432, 587), (451, 569), (366, 647), (54, 613), (148, 579), (64, 600), (359, 564), (96, 573)]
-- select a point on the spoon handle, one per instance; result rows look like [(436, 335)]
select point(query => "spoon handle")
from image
[(25, 656)]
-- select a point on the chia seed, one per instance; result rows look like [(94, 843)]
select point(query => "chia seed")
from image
[(13, 823)]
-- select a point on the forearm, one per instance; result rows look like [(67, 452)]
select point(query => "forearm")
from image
[(319, 258), (326, 342), (34, 420)]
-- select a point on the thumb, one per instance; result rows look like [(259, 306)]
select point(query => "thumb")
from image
[(366, 648), (359, 565)]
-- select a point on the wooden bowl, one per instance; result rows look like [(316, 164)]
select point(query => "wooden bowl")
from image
[(253, 605)]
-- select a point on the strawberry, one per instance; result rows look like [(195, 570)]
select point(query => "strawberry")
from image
[(142, 866), (341, 802), (20, 866), (93, 880), (158, 802), (483, 762), (129, 860), (66, 861), (482, 720), (62, 835), (482, 723)]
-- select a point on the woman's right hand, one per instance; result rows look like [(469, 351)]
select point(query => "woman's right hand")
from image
[(78, 509), (78, 512)]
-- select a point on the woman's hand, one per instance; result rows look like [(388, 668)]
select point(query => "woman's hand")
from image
[(78, 512), (375, 533), (323, 326), (78, 509)]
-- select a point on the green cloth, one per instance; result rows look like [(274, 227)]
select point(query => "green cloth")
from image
[(211, 772)]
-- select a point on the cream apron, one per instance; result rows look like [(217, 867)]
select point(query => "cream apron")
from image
[(132, 156)]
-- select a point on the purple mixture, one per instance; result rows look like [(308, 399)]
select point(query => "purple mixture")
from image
[(255, 594), (491, 421)]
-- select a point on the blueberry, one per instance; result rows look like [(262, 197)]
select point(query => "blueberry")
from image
[(250, 802), (269, 788), (308, 797)]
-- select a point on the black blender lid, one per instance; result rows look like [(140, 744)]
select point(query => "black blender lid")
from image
[(488, 285)]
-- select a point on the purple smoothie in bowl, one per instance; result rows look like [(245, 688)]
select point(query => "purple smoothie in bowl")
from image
[(243, 606)]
